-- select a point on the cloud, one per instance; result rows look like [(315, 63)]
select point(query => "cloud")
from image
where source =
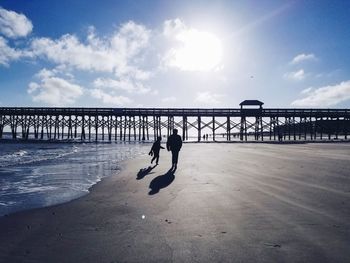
[(191, 49), (114, 84), (295, 75), (307, 90), (109, 99), (119, 55), (169, 100), (53, 90), (123, 84), (303, 57), (207, 98), (324, 96), (14, 25), (8, 54), (115, 54)]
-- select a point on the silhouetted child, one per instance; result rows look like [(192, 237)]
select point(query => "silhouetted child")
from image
[(155, 150)]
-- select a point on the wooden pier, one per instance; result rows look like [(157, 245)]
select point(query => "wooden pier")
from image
[(140, 124)]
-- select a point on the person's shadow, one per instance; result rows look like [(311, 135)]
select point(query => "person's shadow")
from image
[(144, 171), (161, 181)]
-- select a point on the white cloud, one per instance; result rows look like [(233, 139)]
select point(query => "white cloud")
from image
[(53, 90), (8, 54), (303, 57), (70, 52), (307, 90), (119, 54), (123, 84), (324, 96), (45, 73), (191, 49), (115, 54), (173, 27), (169, 100), (114, 84), (14, 25), (207, 98), (109, 99), (296, 75)]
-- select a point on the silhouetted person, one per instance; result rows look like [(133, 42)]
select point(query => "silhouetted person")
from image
[(206, 136), (280, 134), (174, 145), (155, 150), (203, 137)]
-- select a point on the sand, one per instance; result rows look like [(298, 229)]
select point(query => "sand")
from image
[(224, 203)]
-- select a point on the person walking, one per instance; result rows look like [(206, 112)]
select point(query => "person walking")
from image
[(155, 150), (174, 145)]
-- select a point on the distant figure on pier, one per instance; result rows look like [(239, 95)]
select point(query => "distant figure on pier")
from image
[(174, 145), (280, 134), (155, 150), (203, 137), (206, 136)]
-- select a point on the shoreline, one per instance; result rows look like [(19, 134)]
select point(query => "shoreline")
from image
[(41, 175), (90, 189), (243, 201)]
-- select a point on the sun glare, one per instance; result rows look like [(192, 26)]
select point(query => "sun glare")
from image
[(200, 51)]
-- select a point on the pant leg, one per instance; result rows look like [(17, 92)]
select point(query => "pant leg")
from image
[(154, 157), (175, 156)]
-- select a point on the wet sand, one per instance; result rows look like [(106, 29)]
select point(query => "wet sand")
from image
[(224, 203)]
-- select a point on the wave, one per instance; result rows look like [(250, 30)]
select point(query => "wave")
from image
[(37, 175), (20, 153), (22, 156)]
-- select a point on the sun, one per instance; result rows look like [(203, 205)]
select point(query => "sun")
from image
[(199, 51)]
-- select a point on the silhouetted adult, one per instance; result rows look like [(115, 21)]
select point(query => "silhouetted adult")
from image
[(174, 145)]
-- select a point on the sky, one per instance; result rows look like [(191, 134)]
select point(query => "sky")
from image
[(213, 54)]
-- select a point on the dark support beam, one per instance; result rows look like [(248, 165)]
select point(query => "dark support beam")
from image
[(96, 127), (228, 128), (213, 130), (346, 123), (199, 128), (159, 126), (147, 126), (140, 127), (116, 128), (184, 127), (143, 128), (134, 126), (261, 128)]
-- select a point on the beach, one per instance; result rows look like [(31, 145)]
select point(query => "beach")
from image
[(225, 202)]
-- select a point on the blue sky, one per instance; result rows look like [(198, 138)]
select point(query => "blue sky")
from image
[(174, 53)]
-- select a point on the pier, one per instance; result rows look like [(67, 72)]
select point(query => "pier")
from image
[(140, 124)]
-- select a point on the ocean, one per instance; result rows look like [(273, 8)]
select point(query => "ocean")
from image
[(39, 174)]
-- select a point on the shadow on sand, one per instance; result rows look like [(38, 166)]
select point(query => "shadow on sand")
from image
[(144, 171), (161, 181)]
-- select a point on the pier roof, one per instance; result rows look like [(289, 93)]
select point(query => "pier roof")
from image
[(251, 103)]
